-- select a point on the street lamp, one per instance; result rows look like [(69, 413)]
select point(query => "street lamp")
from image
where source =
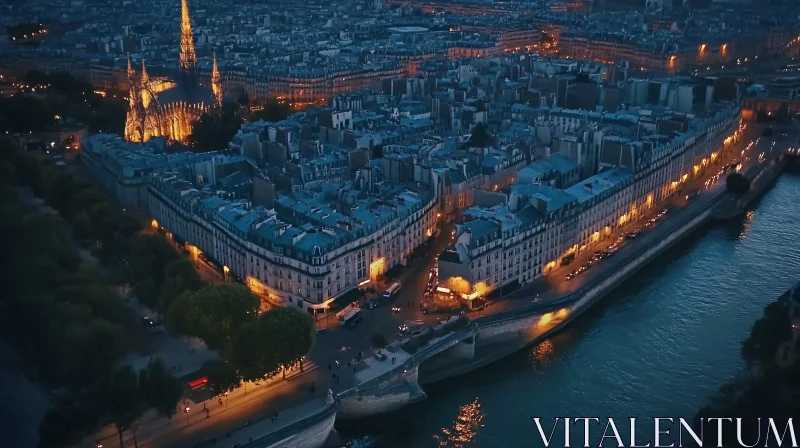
[(226, 400), (186, 411)]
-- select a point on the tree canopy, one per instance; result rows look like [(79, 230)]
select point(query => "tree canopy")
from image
[(222, 376), (148, 260), (737, 184), (213, 132), (160, 388), (61, 94), (215, 313), (481, 137), (293, 331), (272, 111), (767, 333)]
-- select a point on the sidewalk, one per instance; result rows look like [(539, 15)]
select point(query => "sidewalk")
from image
[(246, 400)]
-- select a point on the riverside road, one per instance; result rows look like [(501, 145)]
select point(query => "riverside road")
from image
[(662, 343), (342, 344)]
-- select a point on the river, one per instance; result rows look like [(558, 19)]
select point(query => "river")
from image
[(660, 345)]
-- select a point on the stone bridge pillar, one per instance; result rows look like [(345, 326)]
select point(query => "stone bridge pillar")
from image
[(396, 389)]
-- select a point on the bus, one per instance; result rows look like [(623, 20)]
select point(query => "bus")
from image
[(351, 318), (392, 290)]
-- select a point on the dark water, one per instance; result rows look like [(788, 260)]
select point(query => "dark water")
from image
[(660, 345)]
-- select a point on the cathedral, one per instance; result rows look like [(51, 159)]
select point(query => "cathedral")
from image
[(167, 108)]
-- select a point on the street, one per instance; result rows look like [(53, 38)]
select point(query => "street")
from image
[(556, 286), (336, 346)]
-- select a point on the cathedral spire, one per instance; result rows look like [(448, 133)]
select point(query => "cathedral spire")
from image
[(145, 77), (143, 91), (188, 57), (216, 84), (130, 68)]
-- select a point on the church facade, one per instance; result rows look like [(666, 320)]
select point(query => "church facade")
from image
[(167, 108)]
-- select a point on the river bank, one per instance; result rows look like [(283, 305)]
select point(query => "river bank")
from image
[(650, 349)]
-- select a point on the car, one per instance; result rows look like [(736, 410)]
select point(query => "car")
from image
[(692, 195), (648, 223), (372, 305), (611, 253), (403, 328), (569, 277), (395, 309)]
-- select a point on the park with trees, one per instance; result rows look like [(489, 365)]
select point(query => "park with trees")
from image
[(62, 311), (59, 94)]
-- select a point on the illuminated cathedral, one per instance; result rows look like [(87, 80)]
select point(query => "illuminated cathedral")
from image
[(167, 108)]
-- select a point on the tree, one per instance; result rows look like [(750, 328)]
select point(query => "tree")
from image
[(379, 340), (215, 313), (214, 132), (294, 332), (179, 276), (58, 186), (377, 151), (67, 423), (162, 390), (148, 257), (22, 114), (253, 351), (768, 332), (87, 349), (272, 111), (481, 137), (222, 376), (736, 184), (123, 400)]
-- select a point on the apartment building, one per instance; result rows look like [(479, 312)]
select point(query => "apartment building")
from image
[(305, 252), (507, 245), (604, 199), (541, 227)]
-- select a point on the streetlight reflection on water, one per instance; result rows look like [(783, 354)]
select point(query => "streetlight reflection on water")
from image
[(746, 223), (543, 352), (465, 428)]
